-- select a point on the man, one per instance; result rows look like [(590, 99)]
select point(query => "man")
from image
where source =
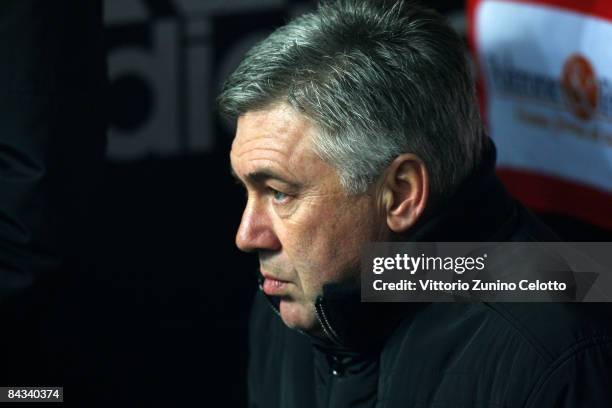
[(358, 123)]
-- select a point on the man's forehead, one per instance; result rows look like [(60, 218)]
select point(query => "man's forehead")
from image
[(278, 142), (279, 133)]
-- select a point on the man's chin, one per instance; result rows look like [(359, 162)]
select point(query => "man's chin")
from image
[(297, 315)]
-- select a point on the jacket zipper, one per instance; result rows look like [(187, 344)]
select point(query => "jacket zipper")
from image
[(324, 322)]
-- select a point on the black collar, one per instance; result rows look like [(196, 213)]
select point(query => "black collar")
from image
[(481, 209)]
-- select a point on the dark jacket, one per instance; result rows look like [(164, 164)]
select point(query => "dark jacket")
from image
[(440, 354)]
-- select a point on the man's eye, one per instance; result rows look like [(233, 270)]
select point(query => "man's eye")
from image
[(278, 195)]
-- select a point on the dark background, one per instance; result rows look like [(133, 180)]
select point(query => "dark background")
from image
[(150, 305)]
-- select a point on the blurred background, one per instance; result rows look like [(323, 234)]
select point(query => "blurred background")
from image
[(121, 281)]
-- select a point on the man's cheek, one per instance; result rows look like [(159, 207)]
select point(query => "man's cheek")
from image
[(310, 271)]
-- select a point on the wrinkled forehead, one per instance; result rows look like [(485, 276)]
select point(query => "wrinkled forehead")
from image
[(279, 133)]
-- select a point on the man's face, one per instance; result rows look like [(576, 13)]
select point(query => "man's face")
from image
[(306, 229)]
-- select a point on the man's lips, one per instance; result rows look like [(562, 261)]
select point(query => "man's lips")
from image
[(273, 286)]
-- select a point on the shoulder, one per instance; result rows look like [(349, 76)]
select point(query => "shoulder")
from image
[(530, 228), (574, 341), (553, 329), (498, 353)]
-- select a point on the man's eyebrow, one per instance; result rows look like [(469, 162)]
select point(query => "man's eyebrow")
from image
[(261, 176)]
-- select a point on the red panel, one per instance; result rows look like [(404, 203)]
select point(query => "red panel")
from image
[(551, 194), (597, 8)]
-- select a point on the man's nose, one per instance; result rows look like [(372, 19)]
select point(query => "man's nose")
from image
[(256, 231)]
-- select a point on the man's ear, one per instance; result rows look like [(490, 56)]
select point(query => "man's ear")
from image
[(404, 192)]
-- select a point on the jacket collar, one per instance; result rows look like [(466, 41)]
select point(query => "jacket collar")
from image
[(481, 210)]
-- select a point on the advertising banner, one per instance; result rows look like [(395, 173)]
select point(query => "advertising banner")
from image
[(546, 92)]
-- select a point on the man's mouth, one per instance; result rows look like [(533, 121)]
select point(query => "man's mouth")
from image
[(273, 286)]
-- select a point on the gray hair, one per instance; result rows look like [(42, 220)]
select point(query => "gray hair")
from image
[(378, 79)]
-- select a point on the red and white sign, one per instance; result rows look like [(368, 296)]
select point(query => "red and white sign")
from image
[(546, 93)]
